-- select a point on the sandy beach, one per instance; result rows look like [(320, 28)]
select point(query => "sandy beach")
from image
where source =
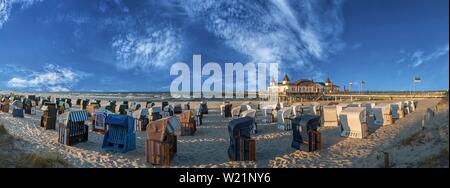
[(208, 147)]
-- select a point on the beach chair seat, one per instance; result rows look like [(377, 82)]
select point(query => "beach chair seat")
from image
[(242, 146), (120, 135), (354, 122), (72, 129)]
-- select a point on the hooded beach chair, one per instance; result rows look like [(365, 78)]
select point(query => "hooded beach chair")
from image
[(268, 109), (27, 106), (297, 109), (92, 107), (155, 113), (203, 107), (306, 126), (330, 116), (242, 146), (354, 122), (396, 110), (284, 116), (17, 109), (161, 143), (48, 118), (5, 105), (222, 108), (186, 106), (188, 126), (227, 110), (140, 119), (236, 111), (72, 129), (99, 121), (168, 110), (252, 114), (382, 114), (177, 108), (120, 135)]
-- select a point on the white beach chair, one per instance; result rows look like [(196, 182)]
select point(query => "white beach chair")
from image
[(329, 116), (382, 113), (354, 122), (283, 118)]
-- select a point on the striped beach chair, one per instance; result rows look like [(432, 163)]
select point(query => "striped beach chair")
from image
[(73, 129)]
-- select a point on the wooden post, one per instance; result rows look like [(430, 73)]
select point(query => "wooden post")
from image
[(386, 159), (423, 124)]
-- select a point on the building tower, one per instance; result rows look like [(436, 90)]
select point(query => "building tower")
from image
[(285, 80)]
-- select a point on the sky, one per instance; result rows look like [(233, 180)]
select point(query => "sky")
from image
[(130, 45)]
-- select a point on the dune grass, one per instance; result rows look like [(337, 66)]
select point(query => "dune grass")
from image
[(13, 157), (438, 160)]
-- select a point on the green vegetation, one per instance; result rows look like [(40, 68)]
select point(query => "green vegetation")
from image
[(13, 157)]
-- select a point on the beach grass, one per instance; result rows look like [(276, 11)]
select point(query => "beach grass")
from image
[(13, 157)]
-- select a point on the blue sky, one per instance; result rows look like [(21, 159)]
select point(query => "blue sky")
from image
[(115, 45)]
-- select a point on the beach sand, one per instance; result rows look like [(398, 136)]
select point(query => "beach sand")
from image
[(208, 147)]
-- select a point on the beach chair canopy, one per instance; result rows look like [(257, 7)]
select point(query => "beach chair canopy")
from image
[(340, 107), (383, 109), (173, 125), (353, 115), (17, 104), (310, 122), (78, 115), (157, 130), (249, 113), (186, 116), (120, 120), (240, 127), (140, 112)]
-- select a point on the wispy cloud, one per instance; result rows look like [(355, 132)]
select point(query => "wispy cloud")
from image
[(156, 48), (6, 6), (52, 78), (419, 57), (277, 31)]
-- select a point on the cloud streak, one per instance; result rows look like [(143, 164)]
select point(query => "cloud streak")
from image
[(419, 57), (155, 48), (52, 78), (277, 31), (6, 6)]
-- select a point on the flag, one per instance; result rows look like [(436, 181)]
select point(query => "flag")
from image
[(417, 79), (363, 82), (350, 84)]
